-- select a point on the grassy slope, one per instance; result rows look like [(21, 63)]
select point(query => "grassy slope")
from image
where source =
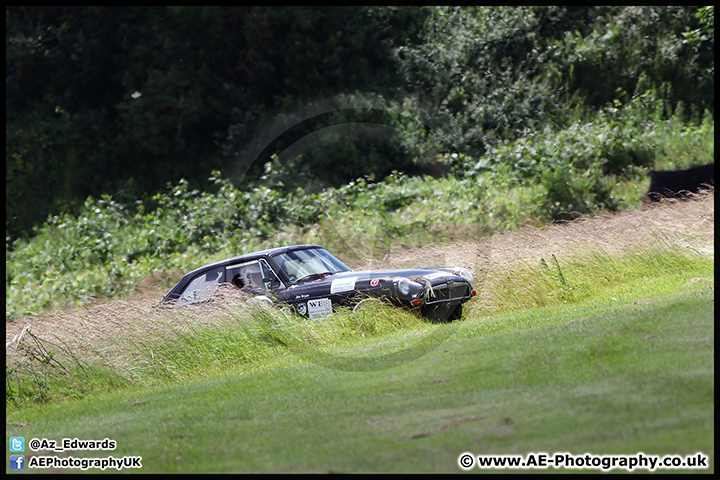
[(600, 378), (627, 368)]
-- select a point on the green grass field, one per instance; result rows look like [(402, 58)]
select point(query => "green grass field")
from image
[(619, 360)]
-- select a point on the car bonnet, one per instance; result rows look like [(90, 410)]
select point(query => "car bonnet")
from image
[(351, 279)]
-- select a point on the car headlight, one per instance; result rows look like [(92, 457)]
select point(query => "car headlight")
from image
[(406, 287), (461, 272), (465, 273), (403, 286)]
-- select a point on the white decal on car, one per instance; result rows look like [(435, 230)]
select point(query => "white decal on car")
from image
[(435, 275), (340, 285)]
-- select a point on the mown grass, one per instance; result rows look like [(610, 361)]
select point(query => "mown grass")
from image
[(630, 371)]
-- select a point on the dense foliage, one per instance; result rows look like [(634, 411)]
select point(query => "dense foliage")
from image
[(123, 100)]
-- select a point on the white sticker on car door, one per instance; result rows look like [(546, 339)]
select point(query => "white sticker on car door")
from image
[(319, 307), (340, 285)]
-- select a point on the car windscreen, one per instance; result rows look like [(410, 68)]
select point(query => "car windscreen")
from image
[(301, 263)]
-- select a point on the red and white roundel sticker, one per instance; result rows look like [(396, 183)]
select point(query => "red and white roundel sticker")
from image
[(374, 282)]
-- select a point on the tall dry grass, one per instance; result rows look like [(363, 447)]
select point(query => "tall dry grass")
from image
[(129, 341), (668, 226)]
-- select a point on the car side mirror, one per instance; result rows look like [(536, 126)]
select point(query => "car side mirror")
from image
[(271, 283)]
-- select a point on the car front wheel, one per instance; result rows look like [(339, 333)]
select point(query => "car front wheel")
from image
[(457, 314)]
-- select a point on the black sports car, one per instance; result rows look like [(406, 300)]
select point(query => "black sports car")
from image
[(308, 279)]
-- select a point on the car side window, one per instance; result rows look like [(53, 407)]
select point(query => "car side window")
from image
[(246, 276), (203, 286), (252, 277), (270, 280)]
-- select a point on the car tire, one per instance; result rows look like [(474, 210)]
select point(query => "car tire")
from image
[(457, 314)]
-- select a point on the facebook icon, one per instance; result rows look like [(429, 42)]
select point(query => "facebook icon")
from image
[(17, 462)]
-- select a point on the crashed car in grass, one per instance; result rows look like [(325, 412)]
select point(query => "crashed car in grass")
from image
[(313, 283)]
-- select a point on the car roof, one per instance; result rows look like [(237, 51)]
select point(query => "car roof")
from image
[(253, 256)]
